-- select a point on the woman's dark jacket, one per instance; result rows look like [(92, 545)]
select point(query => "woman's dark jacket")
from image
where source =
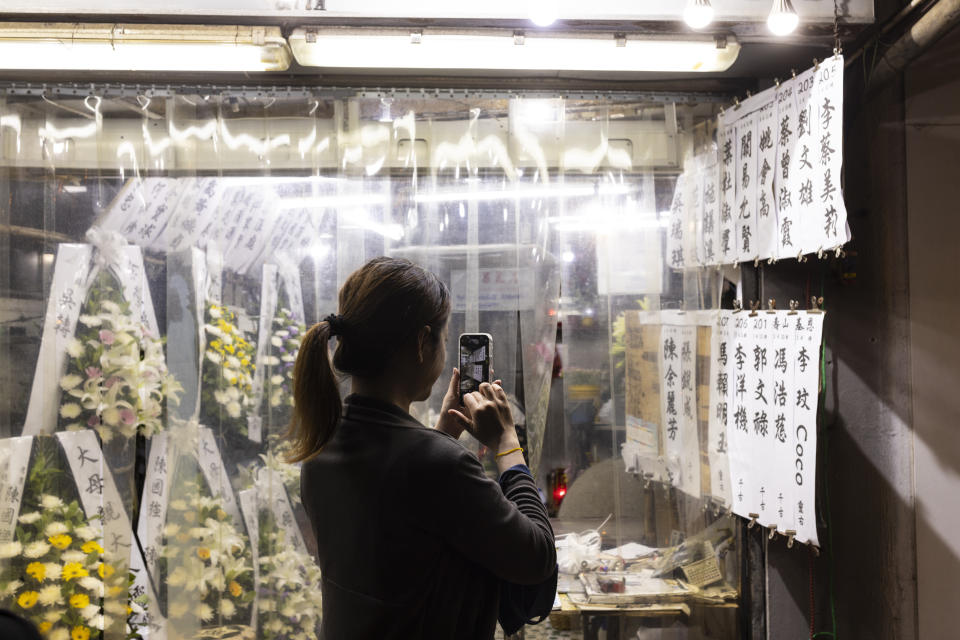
[(413, 539)]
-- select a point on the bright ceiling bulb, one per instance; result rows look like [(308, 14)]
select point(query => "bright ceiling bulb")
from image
[(782, 19), (543, 13), (698, 14)]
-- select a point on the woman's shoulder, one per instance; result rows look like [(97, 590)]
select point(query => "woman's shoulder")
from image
[(437, 450)]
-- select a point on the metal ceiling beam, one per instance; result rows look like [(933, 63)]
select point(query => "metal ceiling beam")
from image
[(930, 27)]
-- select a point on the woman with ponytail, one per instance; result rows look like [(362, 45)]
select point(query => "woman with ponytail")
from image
[(414, 541)]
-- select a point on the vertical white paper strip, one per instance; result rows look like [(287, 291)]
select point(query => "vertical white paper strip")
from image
[(785, 131), (710, 229), (690, 431), (675, 231), (727, 228), (720, 396), (759, 390), (802, 164), (671, 427), (268, 309), (250, 506), (211, 463), (97, 489), (14, 458), (281, 508), (153, 516), (808, 332), (831, 225), (742, 458), (692, 211), (746, 178), (72, 274), (783, 355), (290, 280), (767, 130)]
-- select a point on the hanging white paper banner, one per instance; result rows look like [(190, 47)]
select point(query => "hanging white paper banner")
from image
[(720, 403), (143, 209), (787, 243), (745, 489), (692, 211), (709, 231), (806, 209), (211, 463), (244, 214), (766, 118), (746, 184), (197, 221), (782, 358), (690, 445), (759, 392), (675, 230), (727, 228), (276, 493), (14, 458), (830, 227), (808, 333)]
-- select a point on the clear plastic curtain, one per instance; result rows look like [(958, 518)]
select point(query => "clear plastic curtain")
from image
[(164, 253)]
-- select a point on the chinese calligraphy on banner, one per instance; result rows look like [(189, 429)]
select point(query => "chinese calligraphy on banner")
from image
[(776, 168), (765, 389)]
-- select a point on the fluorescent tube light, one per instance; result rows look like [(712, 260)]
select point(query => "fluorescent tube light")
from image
[(529, 193), (118, 47), (497, 51)]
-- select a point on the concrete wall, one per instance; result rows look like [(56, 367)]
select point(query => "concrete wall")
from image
[(933, 194)]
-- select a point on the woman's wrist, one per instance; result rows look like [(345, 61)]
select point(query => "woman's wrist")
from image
[(509, 454)]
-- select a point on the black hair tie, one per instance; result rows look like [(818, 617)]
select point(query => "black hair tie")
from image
[(336, 324)]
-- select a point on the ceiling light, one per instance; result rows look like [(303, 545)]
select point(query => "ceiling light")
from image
[(126, 47), (543, 13), (345, 48), (698, 14), (782, 19)]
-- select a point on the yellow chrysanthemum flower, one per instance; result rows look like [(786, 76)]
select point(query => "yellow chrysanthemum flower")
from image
[(80, 632), (60, 541), (91, 546), (79, 601), (73, 570), (37, 571), (44, 626), (235, 589), (105, 571), (203, 553), (27, 599)]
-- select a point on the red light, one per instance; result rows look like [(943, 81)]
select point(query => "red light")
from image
[(560, 492), (552, 312)]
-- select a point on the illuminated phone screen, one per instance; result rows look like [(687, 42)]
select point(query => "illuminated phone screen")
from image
[(474, 361)]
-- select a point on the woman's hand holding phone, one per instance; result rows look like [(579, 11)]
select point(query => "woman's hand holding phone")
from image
[(489, 419)]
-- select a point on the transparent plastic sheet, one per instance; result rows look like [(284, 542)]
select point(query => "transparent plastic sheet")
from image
[(231, 198)]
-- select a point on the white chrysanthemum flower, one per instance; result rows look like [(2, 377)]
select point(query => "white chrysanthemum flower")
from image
[(93, 585), (90, 611), (199, 532), (75, 348), (36, 549), (233, 362), (171, 529), (70, 410), (116, 607), (177, 577), (91, 321), (10, 549), (11, 588), (85, 532), (111, 416), (53, 570), (178, 609), (213, 357), (227, 608), (50, 502), (73, 556), (288, 357), (215, 313), (55, 529), (60, 633), (276, 341), (234, 410), (271, 361), (70, 381), (206, 613), (111, 307), (178, 504), (29, 518), (275, 379), (50, 595)]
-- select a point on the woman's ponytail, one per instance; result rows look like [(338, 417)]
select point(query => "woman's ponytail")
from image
[(317, 405)]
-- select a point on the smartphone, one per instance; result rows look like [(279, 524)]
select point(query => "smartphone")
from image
[(476, 361)]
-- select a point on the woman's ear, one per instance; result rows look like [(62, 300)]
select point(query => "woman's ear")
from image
[(423, 338)]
